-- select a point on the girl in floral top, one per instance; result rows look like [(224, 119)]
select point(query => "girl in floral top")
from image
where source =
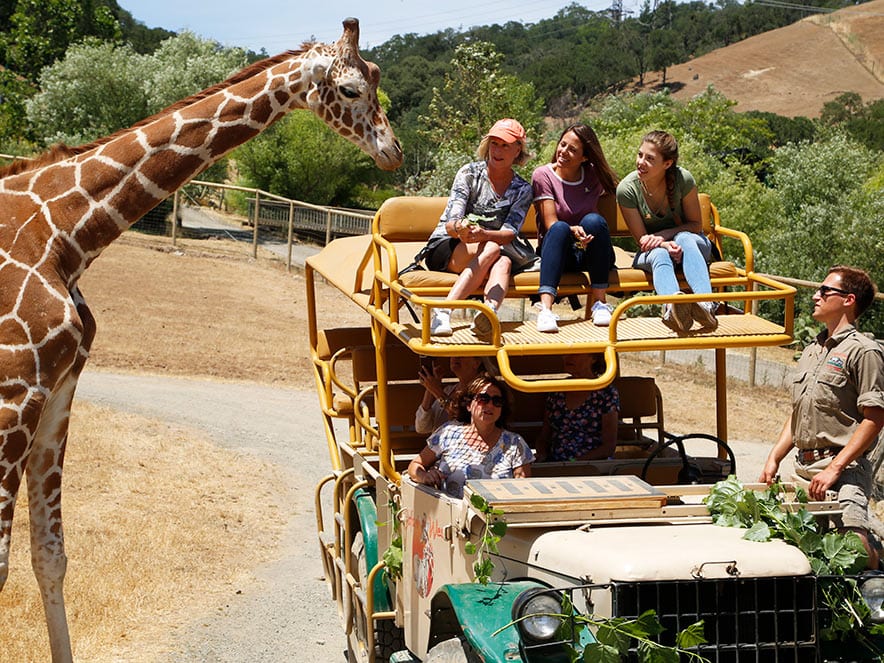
[(580, 425)]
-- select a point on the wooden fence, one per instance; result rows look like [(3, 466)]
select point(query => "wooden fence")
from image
[(277, 215)]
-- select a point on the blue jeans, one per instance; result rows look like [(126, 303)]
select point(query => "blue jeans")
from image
[(558, 255), (696, 252)]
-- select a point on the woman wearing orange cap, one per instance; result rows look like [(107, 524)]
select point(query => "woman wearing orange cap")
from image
[(486, 208)]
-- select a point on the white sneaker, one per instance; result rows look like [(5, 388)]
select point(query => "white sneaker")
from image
[(601, 314), (704, 313), (546, 321), (440, 322)]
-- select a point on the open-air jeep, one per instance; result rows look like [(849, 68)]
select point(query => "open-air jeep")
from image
[(608, 538)]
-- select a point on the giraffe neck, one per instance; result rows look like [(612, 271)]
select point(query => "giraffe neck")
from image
[(90, 199)]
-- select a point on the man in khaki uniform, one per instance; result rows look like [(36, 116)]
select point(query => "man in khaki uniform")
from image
[(837, 404)]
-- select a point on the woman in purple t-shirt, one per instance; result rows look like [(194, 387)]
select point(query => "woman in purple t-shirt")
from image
[(573, 236)]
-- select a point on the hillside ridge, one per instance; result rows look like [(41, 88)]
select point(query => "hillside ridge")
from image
[(792, 70)]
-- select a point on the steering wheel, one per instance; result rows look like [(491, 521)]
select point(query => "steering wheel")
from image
[(688, 474)]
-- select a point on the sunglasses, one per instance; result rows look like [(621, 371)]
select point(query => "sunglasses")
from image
[(484, 399), (826, 290)]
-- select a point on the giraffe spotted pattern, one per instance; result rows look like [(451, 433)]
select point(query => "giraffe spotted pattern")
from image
[(57, 215)]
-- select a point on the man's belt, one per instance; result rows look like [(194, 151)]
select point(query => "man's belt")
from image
[(807, 456)]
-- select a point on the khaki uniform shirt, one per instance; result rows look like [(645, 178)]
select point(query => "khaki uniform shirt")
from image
[(836, 378)]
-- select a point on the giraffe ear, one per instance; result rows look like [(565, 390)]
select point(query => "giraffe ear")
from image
[(320, 68)]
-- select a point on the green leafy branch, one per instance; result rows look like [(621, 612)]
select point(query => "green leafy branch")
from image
[(491, 535), (616, 635), (392, 556), (765, 517)]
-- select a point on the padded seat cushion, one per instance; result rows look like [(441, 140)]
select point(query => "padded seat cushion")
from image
[(627, 277)]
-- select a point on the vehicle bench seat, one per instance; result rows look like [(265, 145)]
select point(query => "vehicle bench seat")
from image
[(403, 224)]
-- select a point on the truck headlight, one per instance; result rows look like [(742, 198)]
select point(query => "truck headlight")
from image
[(872, 590), (538, 614)]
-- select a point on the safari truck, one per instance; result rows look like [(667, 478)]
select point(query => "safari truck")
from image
[(584, 540)]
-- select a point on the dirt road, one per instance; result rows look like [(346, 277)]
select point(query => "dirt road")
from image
[(286, 613)]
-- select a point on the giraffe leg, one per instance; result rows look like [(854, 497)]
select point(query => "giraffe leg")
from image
[(15, 443), (44, 473), (48, 557), (10, 481)]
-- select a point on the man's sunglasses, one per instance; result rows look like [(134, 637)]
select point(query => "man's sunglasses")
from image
[(484, 399), (826, 290)]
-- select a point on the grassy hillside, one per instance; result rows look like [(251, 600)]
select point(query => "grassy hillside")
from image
[(793, 70)]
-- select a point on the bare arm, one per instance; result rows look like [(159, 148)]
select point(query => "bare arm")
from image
[(693, 216), (691, 221), (469, 233), (780, 450), (645, 240), (546, 213), (522, 471), (421, 469)]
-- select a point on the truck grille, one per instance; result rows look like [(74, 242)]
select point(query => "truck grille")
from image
[(752, 620)]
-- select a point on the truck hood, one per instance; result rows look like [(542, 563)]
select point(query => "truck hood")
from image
[(663, 552)]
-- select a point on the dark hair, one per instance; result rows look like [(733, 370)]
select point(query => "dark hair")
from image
[(857, 282), (595, 157), (477, 386), (668, 148)]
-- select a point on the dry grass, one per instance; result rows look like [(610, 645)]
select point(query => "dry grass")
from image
[(156, 520), (160, 524), (203, 311)]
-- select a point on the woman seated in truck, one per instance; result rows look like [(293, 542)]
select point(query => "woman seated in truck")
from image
[(659, 203), (476, 445), (441, 401), (485, 211), (572, 235), (580, 425)]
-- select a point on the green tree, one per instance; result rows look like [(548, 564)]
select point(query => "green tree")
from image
[(708, 119), (475, 94), (40, 31), (666, 50), (831, 204), (786, 130), (96, 89), (187, 64), (301, 158), (864, 123), (14, 91), (100, 87)]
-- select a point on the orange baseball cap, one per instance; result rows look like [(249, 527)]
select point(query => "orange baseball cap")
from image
[(507, 130)]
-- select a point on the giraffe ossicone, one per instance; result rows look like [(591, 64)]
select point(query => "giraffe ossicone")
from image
[(58, 212)]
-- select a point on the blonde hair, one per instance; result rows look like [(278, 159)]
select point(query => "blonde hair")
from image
[(522, 159)]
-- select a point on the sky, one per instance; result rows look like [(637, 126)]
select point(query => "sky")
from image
[(279, 25)]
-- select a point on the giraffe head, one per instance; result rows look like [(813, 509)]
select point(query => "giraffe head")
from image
[(342, 89)]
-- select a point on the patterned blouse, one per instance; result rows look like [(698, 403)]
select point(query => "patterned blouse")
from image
[(578, 431), (449, 443), (473, 193)]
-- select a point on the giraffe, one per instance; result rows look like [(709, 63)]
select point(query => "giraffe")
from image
[(60, 211)]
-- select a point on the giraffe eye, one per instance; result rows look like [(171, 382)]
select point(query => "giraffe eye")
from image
[(349, 92)]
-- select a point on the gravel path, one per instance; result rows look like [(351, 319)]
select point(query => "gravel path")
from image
[(287, 614)]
